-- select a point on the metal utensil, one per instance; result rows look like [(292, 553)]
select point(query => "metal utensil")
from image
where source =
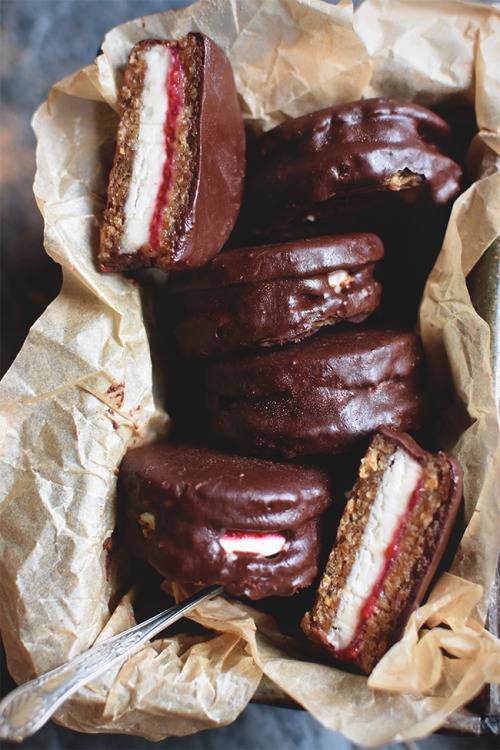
[(28, 707)]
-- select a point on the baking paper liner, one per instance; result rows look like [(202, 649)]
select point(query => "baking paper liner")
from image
[(82, 389)]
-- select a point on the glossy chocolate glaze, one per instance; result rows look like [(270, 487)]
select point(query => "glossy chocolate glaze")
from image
[(354, 358), (212, 322), (216, 183), (315, 163), (322, 395), (296, 258), (195, 495), (272, 294)]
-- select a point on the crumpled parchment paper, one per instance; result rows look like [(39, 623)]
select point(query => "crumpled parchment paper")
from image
[(82, 389)]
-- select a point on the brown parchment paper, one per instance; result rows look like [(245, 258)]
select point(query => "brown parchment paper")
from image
[(82, 389)]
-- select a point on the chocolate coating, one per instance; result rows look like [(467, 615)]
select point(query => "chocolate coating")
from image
[(212, 165), (315, 164), (271, 294), (192, 495), (218, 182), (322, 395), (298, 258)]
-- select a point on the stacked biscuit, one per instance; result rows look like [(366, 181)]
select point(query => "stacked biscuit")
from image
[(281, 325)]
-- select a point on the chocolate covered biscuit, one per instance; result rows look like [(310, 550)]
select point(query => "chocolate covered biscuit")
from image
[(269, 295), (322, 395), (176, 183), (205, 517), (337, 160), (392, 534)]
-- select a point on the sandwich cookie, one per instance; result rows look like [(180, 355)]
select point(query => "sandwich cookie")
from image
[(391, 537), (204, 517), (177, 179), (322, 395), (269, 295), (337, 160)]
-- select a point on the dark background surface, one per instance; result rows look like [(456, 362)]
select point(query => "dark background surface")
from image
[(41, 41)]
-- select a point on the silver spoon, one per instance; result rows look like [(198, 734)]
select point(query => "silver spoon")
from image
[(26, 709)]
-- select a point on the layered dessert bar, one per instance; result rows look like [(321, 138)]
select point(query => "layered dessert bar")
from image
[(175, 187), (392, 534)]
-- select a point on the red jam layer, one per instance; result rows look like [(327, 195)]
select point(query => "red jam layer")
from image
[(352, 650), (175, 100)]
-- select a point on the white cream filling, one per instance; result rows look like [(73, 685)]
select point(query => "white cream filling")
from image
[(392, 498), (150, 155), (267, 545), (338, 280)]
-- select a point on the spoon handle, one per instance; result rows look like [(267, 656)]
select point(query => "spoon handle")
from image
[(28, 707)]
